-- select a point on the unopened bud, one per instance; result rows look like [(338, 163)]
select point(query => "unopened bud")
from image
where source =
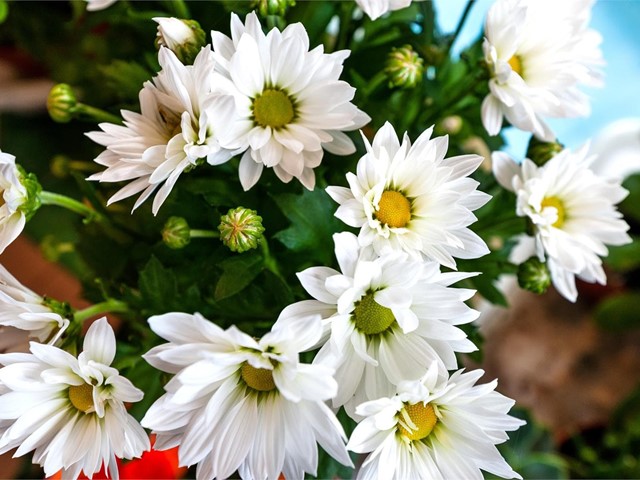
[(274, 7), (61, 103), (534, 276), (185, 38), (541, 152), (176, 233), (241, 229), (404, 67)]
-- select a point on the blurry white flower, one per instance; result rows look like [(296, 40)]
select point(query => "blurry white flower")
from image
[(290, 100), (410, 198), (94, 5), (377, 8), (236, 403), (539, 52), (388, 318), (14, 196), (437, 428), (572, 212), (70, 411), (176, 130)]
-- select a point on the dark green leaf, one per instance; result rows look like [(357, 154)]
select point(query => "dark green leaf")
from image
[(619, 312), (625, 257), (157, 286), (238, 272)]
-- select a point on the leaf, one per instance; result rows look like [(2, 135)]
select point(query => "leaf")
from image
[(238, 272), (4, 10), (157, 286), (625, 258), (125, 78), (618, 313)]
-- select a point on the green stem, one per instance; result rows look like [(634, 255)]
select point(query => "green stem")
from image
[(179, 9), (378, 79), (50, 198), (195, 233), (461, 23), (345, 25), (110, 305), (453, 99), (269, 262), (96, 114)]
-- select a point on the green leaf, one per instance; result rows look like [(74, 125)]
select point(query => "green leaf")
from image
[(4, 10), (125, 78), (625, 258), (618, 313), (157, 286), (238, 273)]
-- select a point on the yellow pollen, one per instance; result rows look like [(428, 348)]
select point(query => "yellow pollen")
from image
[(273, 108), (81, 397), (394, 209), (556, 203), (260, 379), (516, 64), (424, 418), (372, 318)]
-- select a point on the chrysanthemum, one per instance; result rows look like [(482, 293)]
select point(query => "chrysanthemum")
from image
[(14, 196), (410, 198), (70, 411), (388, 318), (290, 100), (176, 130), (572, 212), (539, 52), (242, 404), (437, 428), (21, 308), (377, 8)]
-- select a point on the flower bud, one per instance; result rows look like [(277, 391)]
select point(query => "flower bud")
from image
[(241, 229), (404, 67), (534, 276), (185, 38), (274, 7), (176, 233), (61, 103), (541, 152)]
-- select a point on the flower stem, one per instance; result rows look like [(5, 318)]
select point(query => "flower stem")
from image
[(269, 262), (107, 306), (96, 114), (195, 233), (461, 23), (179, 9), (50, 198)]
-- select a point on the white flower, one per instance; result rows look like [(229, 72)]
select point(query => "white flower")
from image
[(70, 411), (94, 5), (237, 403), (388, 318), (21, 308), (538, 52), (377, 8), (290, 100), (178, 125), (14, 196), (409, 197), (437, 428), (572, 212)]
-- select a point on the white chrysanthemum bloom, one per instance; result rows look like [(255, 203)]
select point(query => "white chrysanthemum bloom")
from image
[(539, 52), (14, 196), (410, 198), (377, 8), (290, 100), (572, 212), (437, 428), (236, 403), (70, 411), (388, 318), (176, 130), (22, 308)]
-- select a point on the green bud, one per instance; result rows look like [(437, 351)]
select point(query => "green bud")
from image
[(176, 233), (60, 166), (534, 276), (241, 229), (541, 152), (273, 7), (185, 38), (52, 248), (61, 103), (31, 184), (404, 67)]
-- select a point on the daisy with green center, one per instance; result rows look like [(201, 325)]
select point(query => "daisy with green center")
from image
[(70, 411), (572, 212), (290, 102), (386, 319), (410, 198), (437, 427), (13, 198), (238, 403)]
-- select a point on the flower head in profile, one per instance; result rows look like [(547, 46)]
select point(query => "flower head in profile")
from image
[(572, 212), (387, 319), (237, 403), (539, 52), (410, 198), (436, 427), (176, 130), (376, 8), (290, 102), (70, 411)]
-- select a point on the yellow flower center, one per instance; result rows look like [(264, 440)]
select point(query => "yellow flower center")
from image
[(273, 108), (260, 379), (556, 203), (370, 317), (516, 64), (81, 397), (394, 209), (423, 417)]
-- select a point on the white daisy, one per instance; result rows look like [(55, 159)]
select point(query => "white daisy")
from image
[(409, 197), (572, 212), (389, 318), (377, 8), (290, 100), (70, 411), (236, 403), (538, 53), (437, 428), (176, 130), (21, 308), (14, 196)]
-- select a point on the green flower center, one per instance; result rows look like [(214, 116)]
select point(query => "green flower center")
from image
[(372, 318), (556, 203), (516, 64), (260, 379), (273, 108), (81, 397), (394, 209), (423, 417)]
